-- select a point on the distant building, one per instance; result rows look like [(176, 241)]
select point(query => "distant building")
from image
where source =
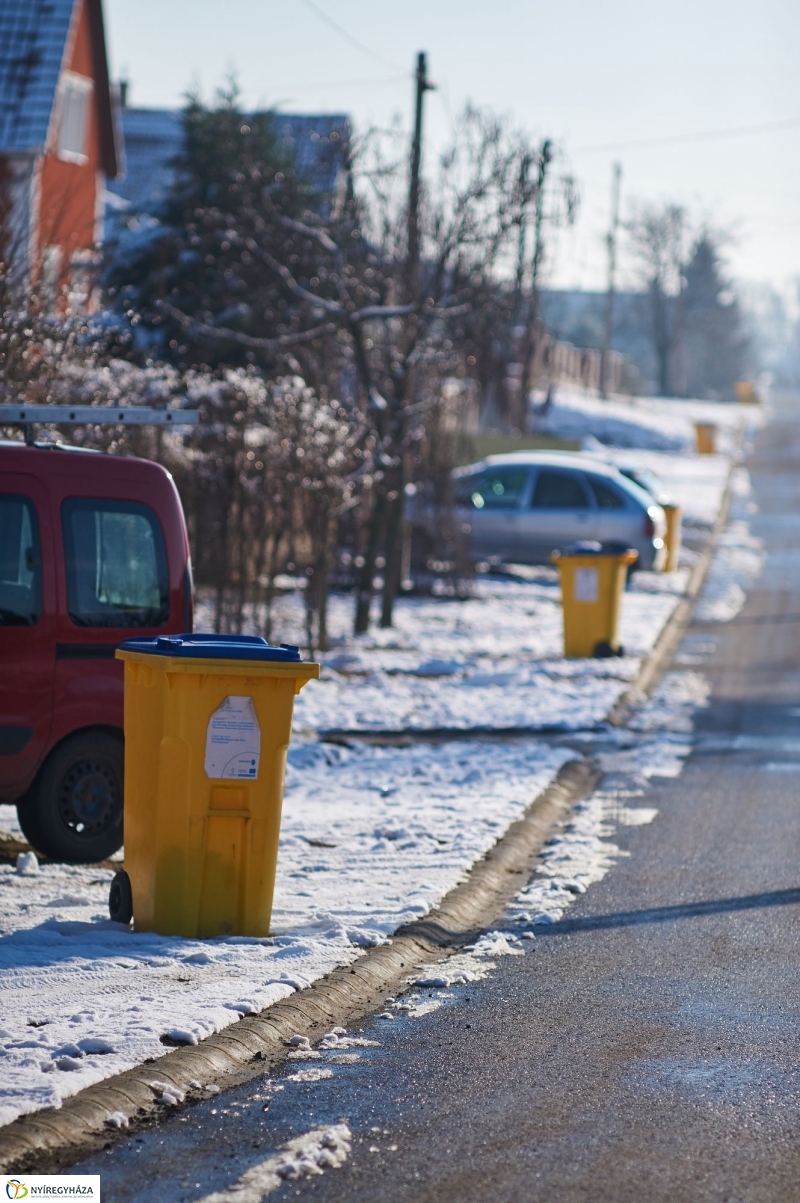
[(153, 140), (58, 142)]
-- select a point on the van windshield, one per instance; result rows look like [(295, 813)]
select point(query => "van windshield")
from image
[(116, 564), (20, 576)]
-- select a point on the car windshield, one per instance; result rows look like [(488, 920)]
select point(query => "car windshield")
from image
[(645, 479)]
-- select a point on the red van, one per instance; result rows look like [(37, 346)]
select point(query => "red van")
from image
[(93, 549)]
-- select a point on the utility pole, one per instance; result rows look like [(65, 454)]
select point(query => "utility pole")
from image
[(390, 504), (423, 85), (611, 244), (545, 159)]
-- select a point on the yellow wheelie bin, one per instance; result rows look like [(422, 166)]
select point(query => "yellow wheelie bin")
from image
[(207, 726), (593, 579), (672, 541), (706, 438)]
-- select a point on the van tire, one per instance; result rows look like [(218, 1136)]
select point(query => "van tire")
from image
[(73, 813)]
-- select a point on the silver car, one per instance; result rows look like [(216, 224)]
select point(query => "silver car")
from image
[(520, 507)]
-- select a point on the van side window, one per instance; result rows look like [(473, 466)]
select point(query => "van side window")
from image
[(116, 564), (606, 495), (20, 563), (558, 491)]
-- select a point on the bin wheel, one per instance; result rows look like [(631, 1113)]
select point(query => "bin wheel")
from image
[(120, 898), (603, 650), (73, 812)]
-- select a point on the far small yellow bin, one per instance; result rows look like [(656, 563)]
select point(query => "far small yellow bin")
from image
[(706, 438), (207, 727), (745, 392), (592, 584), (673, 514)]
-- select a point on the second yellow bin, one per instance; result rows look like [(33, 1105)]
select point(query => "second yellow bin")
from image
[(207, 726), (592, 583)]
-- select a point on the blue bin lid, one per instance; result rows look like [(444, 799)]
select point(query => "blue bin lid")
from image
[(213, 647)]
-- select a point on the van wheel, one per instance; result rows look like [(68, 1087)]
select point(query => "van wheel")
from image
[(74, 811), (120, 898)]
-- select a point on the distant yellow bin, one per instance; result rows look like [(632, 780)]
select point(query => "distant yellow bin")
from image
[(672, 541), (207, 727), (706, 438), (745, 392), (592, 584)]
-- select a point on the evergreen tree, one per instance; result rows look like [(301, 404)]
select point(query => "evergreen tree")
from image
[(716, 344), (185, 272)]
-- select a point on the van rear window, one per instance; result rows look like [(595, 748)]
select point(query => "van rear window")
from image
[(20, 563), (116, 564)]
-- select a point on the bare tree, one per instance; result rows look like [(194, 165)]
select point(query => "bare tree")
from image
[(657, 235)]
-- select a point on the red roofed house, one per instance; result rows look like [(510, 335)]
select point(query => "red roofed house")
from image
[(58, 140)]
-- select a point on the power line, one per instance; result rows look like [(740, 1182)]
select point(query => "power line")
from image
[(348, 37), (704, 136)]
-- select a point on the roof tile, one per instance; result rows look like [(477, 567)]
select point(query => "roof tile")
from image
[(33, 36)]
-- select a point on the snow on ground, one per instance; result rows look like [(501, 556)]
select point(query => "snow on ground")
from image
[(494, 661), (654, 423), (371, 838)]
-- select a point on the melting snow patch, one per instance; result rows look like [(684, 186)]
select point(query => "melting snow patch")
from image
[(314, 1074), (306, 1156)]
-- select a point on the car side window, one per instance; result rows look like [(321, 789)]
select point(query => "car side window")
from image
[(499, 488), (606, 496), (116, 564), (20, 563), (556, 490), (465, 486)]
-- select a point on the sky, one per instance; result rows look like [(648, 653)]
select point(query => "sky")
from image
[(642, 82)]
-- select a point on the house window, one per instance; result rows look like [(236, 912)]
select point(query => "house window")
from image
[(73, 125)]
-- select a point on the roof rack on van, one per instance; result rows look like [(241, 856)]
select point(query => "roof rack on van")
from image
[(96, 415)]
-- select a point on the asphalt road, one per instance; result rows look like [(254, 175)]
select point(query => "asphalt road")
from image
[(648, 1047)]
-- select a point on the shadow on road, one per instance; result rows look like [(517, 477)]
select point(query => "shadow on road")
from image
[(665, 914)]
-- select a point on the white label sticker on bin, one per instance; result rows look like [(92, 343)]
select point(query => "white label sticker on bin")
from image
[(233, 740), (586, 584)]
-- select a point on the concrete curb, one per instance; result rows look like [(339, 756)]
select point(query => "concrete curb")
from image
[(678, 622), (48, 1140)]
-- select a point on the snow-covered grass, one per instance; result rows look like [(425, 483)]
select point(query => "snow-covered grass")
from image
[(371, 838), (495, 659), (664, 424)]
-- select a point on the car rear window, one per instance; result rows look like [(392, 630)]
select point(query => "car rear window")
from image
[(20, 563), (559, 491), (116, 564), (499, 488), (606, 496)]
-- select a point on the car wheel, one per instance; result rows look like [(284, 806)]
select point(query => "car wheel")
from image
[(74, 812)]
